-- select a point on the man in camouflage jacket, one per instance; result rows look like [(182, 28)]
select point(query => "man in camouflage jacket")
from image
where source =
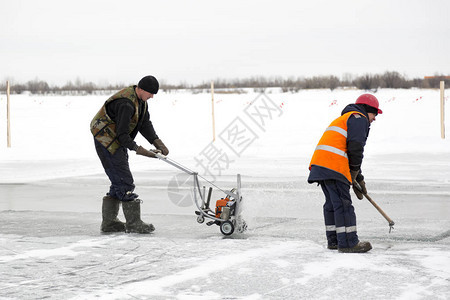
[(115, 127)]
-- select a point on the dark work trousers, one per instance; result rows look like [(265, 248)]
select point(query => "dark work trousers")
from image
[(339, 214), (118, 170)]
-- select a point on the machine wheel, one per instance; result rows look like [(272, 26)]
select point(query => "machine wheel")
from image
[(200, 219), (227, 228)]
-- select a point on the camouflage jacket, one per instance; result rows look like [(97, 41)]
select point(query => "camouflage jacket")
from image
[(104, 128)]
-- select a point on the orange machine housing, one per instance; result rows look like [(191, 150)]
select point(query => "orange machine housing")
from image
[(220, 204)]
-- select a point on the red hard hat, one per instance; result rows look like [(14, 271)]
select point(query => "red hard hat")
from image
[(370, 100)]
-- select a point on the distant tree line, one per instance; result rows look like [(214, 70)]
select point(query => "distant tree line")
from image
[(78, 87), (368, 82), (371, 82)]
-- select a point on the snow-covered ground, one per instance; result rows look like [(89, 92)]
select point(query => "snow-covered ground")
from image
[(51, 185)]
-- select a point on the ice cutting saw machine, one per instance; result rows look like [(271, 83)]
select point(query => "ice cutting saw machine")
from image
[(227, 210)]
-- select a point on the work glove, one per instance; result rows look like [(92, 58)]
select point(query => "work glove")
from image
[(160, 146), (149, 153), (358, 192)]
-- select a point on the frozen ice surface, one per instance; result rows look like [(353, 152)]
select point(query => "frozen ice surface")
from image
[(50, 199), (47, 252)]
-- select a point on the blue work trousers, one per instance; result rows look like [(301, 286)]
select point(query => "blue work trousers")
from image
[(339, 214), (118, 170)]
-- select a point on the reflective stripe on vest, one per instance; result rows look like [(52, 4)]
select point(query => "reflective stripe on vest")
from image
[(338, 129), (331, 151)]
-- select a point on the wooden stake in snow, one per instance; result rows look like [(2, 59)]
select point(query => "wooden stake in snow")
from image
[(8, 122), (442, 110), (213, 117)]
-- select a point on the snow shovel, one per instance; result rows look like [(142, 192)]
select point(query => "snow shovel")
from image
[(391, 223)]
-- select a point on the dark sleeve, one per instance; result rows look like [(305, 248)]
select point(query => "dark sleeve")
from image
[(147, 129), (357, 131), (121, 111)]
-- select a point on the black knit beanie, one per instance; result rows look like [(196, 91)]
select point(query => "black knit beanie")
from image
[(370, 109), (149, 84)]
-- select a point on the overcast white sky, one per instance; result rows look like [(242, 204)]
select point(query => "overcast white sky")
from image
[(112, 41)]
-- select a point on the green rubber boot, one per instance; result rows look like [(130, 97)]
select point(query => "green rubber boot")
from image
[(110, 210), (132, 212)]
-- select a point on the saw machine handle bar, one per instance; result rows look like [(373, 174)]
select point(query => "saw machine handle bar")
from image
[(232, 193), (175, 164)]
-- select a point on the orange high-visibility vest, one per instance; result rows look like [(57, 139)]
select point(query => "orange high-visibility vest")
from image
[(331, 151)]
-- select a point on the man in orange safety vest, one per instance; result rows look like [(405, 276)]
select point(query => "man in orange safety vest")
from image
[(336, 164)]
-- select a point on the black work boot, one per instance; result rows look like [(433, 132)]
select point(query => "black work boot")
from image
[(110, 210), (332, 246), (361, 247), (132, 212)]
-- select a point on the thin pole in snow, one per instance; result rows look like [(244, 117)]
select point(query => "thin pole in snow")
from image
[(442, 84), (213, 117), (8, 122)]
